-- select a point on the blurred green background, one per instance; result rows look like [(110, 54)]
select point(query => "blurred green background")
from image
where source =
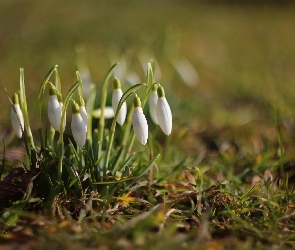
[(222, 64)]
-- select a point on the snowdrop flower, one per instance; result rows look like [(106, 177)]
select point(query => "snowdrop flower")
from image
[(117, 94), (164, 114), (108, 113), (78, 126), (153, 99), (17, 117), (54, 108), (83, 112), (139, 122)]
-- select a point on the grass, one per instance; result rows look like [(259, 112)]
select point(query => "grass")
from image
[(225, 175)]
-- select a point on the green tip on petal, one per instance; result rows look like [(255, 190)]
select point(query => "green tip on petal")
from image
[(81, 102), (52, 89), (59, 96), (154, 87), (75, 108), (15, 98), (161, 92), (137, 102), (116, 82)]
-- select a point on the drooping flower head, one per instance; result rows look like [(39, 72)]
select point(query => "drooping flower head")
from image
[(139, 122), (108, 112), (117, 94), (83, 112), (153, 99), (17, 117), (54, 108), (78, 126), (164, 114)]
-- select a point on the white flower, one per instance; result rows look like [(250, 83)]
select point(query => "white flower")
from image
[(117, 94), (153, 99), (54, 109), (17, 117), (108, 113), (139, 122), (164, 114), (78, 126), (83, 112)]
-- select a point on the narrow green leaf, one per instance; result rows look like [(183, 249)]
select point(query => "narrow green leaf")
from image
[(102, 106)]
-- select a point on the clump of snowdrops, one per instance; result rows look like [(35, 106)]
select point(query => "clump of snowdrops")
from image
[(98, 160)]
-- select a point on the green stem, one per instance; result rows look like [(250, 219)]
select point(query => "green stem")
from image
[(102, 106), (127, 132), (62, 127), (128, 126), (89, 108), (60, 158), (129, 147), (51, 136), (57, 81), (81, 89)]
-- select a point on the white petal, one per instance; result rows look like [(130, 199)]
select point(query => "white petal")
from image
[(54, 112), (17, 120), (117, 94), (164, 115), (140, 125), (153, 98), (78, 129), (83, 113), (108, 113)]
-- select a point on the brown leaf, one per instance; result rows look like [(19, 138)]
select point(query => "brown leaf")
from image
[(15, 185)]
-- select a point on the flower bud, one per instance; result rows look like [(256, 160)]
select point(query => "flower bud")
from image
[(108, 112), (83, 112), (117, 94), (78, 126), (164, 114), (54, 108), (139, 122), (17, 117)]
